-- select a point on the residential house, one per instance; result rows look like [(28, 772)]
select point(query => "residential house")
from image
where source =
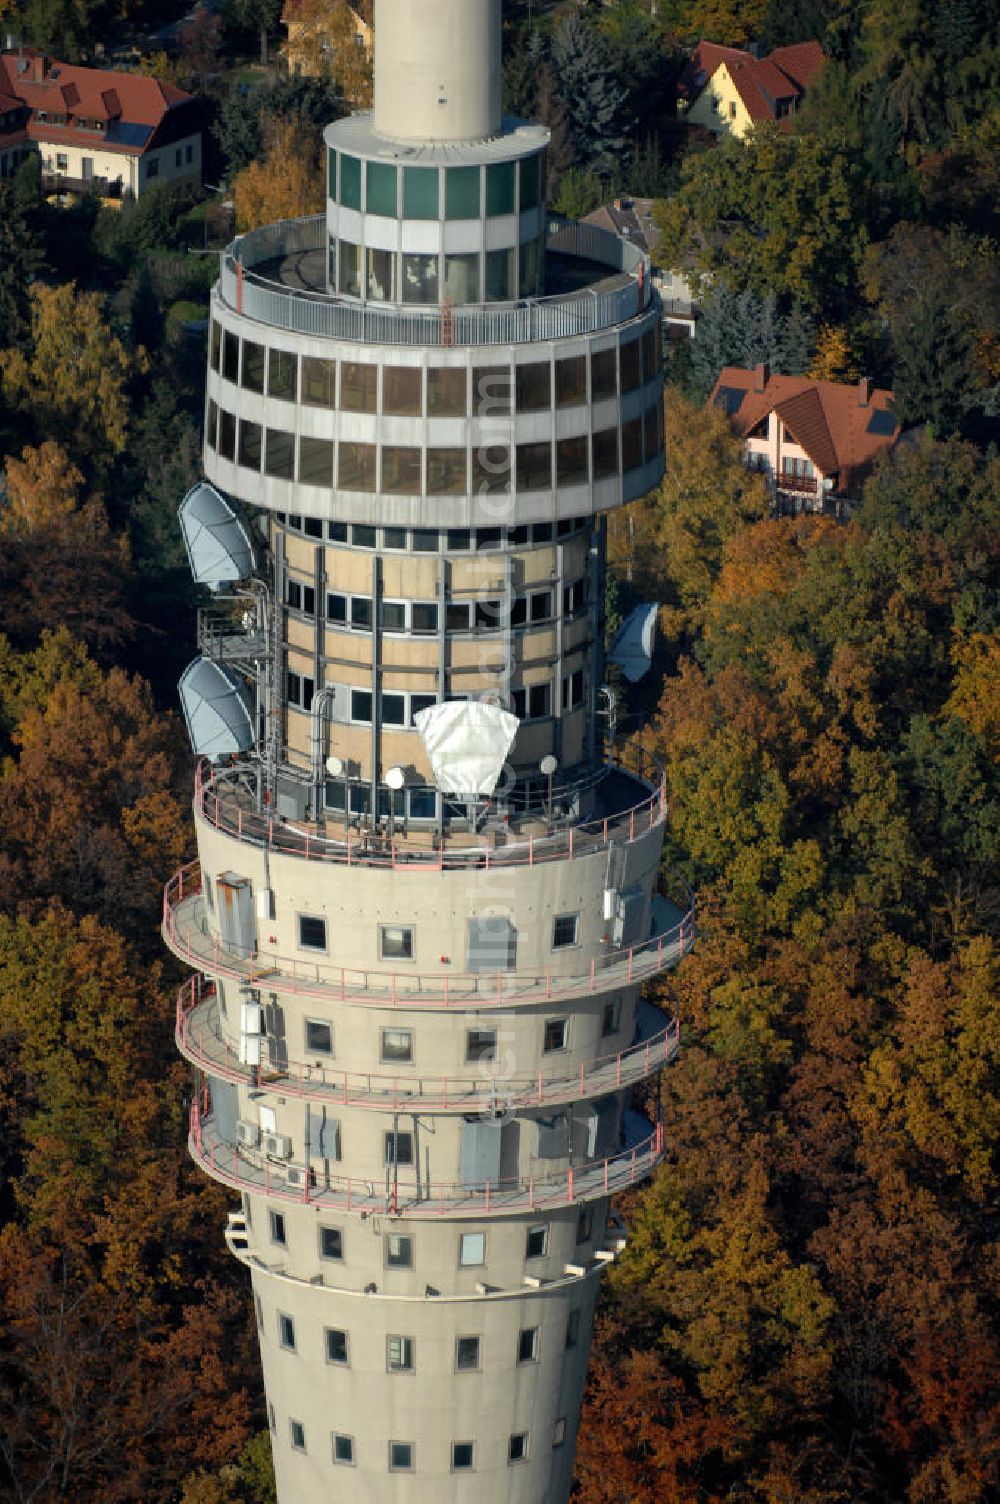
[(816, 440), (96, 129), (300, 50), (728, 91), (632, 219)]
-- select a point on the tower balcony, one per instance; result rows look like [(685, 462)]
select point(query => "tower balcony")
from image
[(628, 799), (185, 930), (199, 1039), (245, 1170)]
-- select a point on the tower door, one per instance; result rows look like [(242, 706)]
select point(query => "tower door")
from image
[(237, 925)]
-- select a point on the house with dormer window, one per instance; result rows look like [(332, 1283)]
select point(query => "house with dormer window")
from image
[(728, 91)]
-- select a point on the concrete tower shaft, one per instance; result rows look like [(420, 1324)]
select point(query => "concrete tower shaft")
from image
[(437, 70)]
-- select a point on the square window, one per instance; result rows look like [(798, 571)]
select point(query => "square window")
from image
[(363, 535), (278, 1228), (402, 392), (319, 1037), (399, 1148), (394, 537), (356, 466), (312, 933), (331, 1243), (400, 1456), (537, 1244), (565, 930), (397, 1046), (527, 1345), (458, 616), (466, 1354), (425, 616), (343, 1449), (399, 1354), (398, 1251), (611, 1018), (395, 941), (336, 1346), (556, 1034), (572, 1329), (298, 1431), (417, 704), (463, 1455), (425, 540), (286, 1332), (472, 1249), (517, 1447), (481, 1044), (447, 392), (541, 605)]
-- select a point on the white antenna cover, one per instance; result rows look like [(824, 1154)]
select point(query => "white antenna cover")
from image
[(467, 742), (632, 648)]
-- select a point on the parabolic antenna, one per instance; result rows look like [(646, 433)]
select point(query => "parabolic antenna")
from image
[(632, 648), (335, 766), (217, 709), (218, 545), (395, 778), (467, 742)]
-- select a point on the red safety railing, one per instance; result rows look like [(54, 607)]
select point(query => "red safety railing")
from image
[(199, 1039), (185, 931), (233, 1166), (223, 802)]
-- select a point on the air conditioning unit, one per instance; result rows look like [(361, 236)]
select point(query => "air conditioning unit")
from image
[(251, 1016), (296, 1177), (248, 1134), (277, 1146)]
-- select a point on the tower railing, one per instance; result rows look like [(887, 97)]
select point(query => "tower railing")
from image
[(185, 929), (200, 1040)]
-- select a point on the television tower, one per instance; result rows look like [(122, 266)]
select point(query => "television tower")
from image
[(426, 893)]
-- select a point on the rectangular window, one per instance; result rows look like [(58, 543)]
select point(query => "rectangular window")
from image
[(227, 436), (631, 372), (336, 1346), (398, 1251), (395, 942), (363, 535), (556, 1034), (231, 357), (349, 268), (471, 1250), (565, 930), (381, 275), (466, 1354), (361, 706), (420, 278), (631, 444), (216, 345), (278, 1228), (319, 382), (604, 448), (527, 1345), (394, 537), (356, 466), (393, 709), (399, 1148), (358, 386), (458, 616), (611, 1018), (500, 188), (447, 472), (585, 1225), (402, 391), (298, 1433), (463, 1455), (533, 386), (517, 1447), (279, 454), (152, 166), (447, 392), (537, 1242), (572, 1330), (534, 467), (603, 375), (380, 189), (399, 1354), (337, 532), (571, 381), (417, 704), (420, 193), (425, 540), (492, 391), (300, 597), (312, 932), (336, 608), (481, 1044), (401, 1456), (571, 461), (331, 1243), (574, 597), (343, 1449), (531, 182), (539, 701), (541, 606), (501, 276), (394, 616), (250, 445), (282, 375), (397, 1046), (319, 1037), (461, 278), (259, 1310), (315, 462), (401, 471), (462, 193), (253, 366), (286, 1331), (350, 181), (573, 690)]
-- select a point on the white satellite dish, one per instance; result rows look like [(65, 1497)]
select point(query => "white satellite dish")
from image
[(548, 764), (632, 648), (335, 766), (395, 778), (467, 742)]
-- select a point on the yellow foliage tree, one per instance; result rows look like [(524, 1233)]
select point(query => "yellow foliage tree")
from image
[(43, 489), (286, 184), (325, 39), (72, 379), (832, 360), (975, 695)]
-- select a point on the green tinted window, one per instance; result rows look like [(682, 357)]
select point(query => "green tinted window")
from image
[(531, 182), (331, 168), (420, 193), (350, 182), (500, 188), (381, 195), (462, 193)]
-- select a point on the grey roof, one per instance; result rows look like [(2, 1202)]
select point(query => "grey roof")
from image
[(217, 709), (218, 545)]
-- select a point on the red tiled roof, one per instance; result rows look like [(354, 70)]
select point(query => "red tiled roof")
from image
[(760, 82), (44, 84), (801, 62), (830, 420)]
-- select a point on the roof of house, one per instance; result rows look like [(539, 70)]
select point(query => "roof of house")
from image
[(760, 82), (133, 106), (841, 426), (632, 218)]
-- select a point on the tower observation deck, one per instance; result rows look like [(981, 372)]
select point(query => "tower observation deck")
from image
[(414, 1014)]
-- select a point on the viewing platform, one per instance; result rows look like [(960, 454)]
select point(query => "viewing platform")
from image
[(398, 1195), (199, 1039)]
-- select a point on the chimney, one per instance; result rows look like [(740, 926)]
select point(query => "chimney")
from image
[(865, 387), (760, 377)]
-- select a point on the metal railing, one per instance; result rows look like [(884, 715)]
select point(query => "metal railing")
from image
[(185, 930), (246, 1170), (222, 801), (199, 1039), (601, 306)]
